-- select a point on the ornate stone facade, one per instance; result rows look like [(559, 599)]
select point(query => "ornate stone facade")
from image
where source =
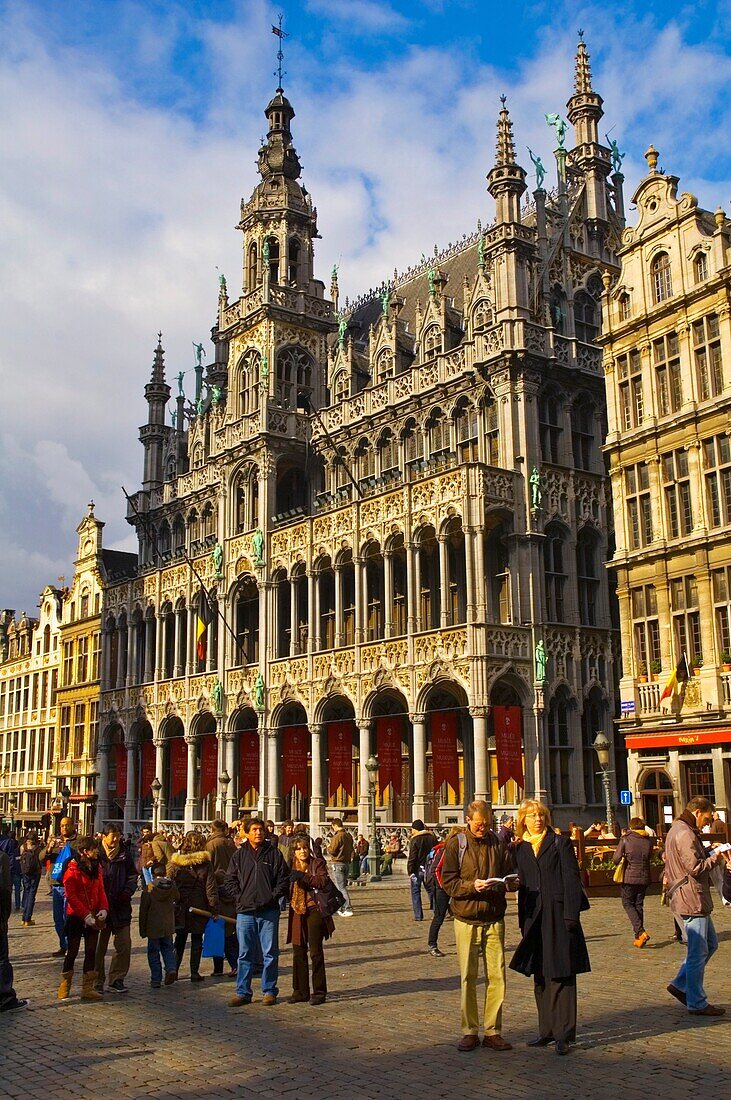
[(390, 505)]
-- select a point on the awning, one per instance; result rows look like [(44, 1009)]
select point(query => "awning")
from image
[(678, 739)]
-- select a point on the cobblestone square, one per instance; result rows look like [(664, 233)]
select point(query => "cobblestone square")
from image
[(388, 1030)]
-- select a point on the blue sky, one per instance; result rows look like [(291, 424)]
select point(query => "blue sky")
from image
[(128, 137)]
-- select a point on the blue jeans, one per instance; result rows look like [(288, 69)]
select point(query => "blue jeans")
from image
[(364, 865), (416, 881), (58, 899), (163, 945), (702, 942), (339, 875), (30, 887), (16, 879), (254, 930)]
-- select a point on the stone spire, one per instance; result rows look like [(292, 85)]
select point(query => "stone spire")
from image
[(158, 363), (506, 181), (152, 434), (278, 155), (582, 71)]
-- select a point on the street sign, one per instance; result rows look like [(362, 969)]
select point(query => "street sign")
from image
[(625, 798), (628, 706)]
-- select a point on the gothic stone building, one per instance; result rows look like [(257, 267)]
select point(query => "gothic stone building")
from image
[(393, 506), (667, 348)]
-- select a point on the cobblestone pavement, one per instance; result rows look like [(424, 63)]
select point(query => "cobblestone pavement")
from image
[(388, 1029)]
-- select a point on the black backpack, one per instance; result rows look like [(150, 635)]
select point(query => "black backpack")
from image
[(30, 864)]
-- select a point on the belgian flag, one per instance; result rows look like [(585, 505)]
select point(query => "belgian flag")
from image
[(204, 615), (679, 675)]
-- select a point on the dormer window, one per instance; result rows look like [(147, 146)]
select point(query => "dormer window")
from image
[(662, 284), (700, 265), (625, 307)]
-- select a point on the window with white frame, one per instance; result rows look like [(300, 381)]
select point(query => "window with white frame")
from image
[(717, 473), (686, 618), (629, 377), (666, 360), (645, 626), (707, 356), (639, 505), (676, 491), (662, 283)]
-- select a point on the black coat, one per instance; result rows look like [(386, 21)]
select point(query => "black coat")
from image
[(120, 882), (636, 850), (550, 894), (256, 880)]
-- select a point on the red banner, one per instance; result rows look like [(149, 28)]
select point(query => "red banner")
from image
[(148, 769), (295, 746), (508, 726), (389, 735), (248, 761), (121, 771), (340, 754), (178, 766), (445, 764), (209, 765)]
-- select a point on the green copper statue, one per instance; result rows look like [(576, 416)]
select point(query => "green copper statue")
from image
[(541, 660), (216, 395), (481, 249), (222, 281), (259, 693), (173, 418), (257, 540), (559, 126), (264, 369), (385, 299), (265, 251), (540, 170), (334, 273), (217, 696), (432, 278), (199, 354), (180, 383), (616, 156), (535, 488), (342, 331), (217, 558)]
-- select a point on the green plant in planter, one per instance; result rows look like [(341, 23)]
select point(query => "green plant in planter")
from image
[(641, 668), (726, 657), (697, 662), (656, 668)]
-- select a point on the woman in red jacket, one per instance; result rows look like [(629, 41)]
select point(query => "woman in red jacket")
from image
[(86, 912)]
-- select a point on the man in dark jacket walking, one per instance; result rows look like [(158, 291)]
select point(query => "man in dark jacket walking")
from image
[(8, 997), (635, 848), (478, 906), (257, 878), (9, 845), (119, 875), (422, 842)]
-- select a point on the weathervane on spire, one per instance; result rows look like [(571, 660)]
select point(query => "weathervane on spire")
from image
[(281, 35), (581, 34), (503, 99)]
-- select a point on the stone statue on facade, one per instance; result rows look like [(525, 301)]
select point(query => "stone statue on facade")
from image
[(265, 251), (259, 692), (385, 299), (199, 354), (181, 375), (535, 488), (257, 540), (616, 156), (342, 331), (432, 279), (541, 661), (217, 697), (540, 170), (481, 249), (217, 558), (559, 126), (216, 395)]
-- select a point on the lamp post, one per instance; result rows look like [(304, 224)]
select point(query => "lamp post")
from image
[(223, 781), (601, 748), (12, 810), (65, 795), (372, 769), (155, 787)]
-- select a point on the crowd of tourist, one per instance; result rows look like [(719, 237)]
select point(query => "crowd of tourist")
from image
[(222, 897)]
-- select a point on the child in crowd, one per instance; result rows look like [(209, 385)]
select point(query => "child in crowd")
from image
[(157, 925)]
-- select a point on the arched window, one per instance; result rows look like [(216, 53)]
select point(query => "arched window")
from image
[(246, 617), (439, 433), (294, 374), (273, 244), (384, 365), (398, 584), (341, 386), (559, 746), (163, 538), (432, 341), (375, 603), (248, 377), (387, 452), (624, 306), (492, 431), (252, 278), (429, 586), (456, 596), (662, 284), (171, 468), (178, 533), (587, 573), (365, 459), (410, 443), (325, 580), (482, 315), (593, 720), (700, 267), (197, 456), (294, 261), (549, 424), (340, 469), (466, 428), (586, 317), (582, 434), (555, 573), (283, 604)]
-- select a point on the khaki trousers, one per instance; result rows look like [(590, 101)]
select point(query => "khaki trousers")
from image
[(119, 966), (486, 941)]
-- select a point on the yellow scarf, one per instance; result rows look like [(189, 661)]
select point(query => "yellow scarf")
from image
[(535, 841)]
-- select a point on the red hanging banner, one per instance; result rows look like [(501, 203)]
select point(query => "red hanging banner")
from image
[(389, 735), (508, 726), (295, 745), (178, 766), (148, 768), (209, 764), (248, 761), (444, 760), (121, 771), (340, 753)]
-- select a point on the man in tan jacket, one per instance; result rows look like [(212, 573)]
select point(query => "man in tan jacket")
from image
[(687, 870)]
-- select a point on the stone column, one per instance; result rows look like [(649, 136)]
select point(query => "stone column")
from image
[(418, 804), (160, 643), (191, 801), (479, 748), (364, 742), (121, 659), (412, 586), (444, 607), (150, 640), (131, 653), (162, 803), (293, 627), (387, 593), (179, 667), (102, 806), (272, 795), (469, 574), (338, 606), (361, 611), (317, 797), (313, 610), (130, 801), (230, 806)]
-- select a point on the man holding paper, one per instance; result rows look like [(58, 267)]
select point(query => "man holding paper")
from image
[(476, 865)]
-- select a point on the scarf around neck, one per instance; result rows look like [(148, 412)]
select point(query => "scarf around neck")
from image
[(535, 841)]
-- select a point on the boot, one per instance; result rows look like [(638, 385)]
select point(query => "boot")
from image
[(196, 949), (64, 989), (88, 993)]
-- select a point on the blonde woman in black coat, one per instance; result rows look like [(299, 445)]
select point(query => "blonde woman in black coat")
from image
[(550, 899)]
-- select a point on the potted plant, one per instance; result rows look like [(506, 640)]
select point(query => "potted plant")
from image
[(726, 660), (697, 665), (642, 672), (656, 668)]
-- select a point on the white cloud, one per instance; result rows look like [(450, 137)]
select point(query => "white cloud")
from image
[(365, 15)]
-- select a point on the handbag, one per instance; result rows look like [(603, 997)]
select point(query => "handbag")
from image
[(329, 899), (618, 875), (214, 935)]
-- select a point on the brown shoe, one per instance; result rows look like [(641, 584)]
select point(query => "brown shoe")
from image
[(269, 999), (709, 1010), (171, 976), (496, 1042), (677, 993), (238, 1002), (468, 1042)]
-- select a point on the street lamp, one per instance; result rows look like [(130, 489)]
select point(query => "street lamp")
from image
[(601, 748), (155, 787), (372, 769), (65, 795), (12, 810), (223, 781)]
